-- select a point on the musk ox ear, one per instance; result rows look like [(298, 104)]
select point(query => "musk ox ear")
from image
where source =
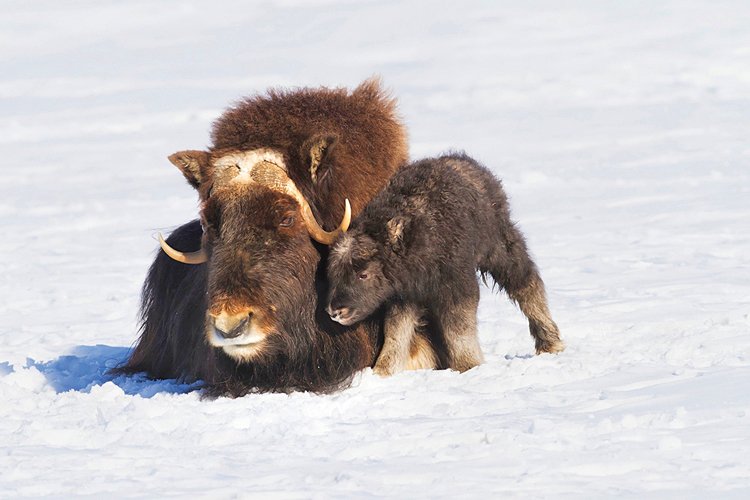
[(396, 230), (316, 151), (191, 163)]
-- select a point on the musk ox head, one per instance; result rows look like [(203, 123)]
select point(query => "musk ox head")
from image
[(285, 169), (361, 267)]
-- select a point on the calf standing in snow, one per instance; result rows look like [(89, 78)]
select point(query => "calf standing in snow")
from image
[(416, 248)]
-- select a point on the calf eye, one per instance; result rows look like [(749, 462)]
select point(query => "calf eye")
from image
[(287, 221)]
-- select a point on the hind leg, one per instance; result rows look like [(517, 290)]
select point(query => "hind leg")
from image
[(533, 303), (457, 318), (512, 268)]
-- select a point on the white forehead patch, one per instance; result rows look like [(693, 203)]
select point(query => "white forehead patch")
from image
[(238, 166), (343, 246)]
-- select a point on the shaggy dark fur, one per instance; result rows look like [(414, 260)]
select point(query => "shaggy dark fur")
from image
[(356, 139), (420, 242), (335, 145)]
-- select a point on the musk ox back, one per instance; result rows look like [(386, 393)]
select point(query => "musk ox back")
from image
[(240, 310), (416, 248)]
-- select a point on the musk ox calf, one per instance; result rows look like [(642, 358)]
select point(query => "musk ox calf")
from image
[(416, 248)]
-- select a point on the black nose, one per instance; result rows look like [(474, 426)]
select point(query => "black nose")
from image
[(338, 312), (231, 330)]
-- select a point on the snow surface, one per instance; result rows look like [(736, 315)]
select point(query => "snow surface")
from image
[(621, 132)]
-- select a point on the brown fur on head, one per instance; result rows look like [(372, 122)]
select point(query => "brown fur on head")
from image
[(335, 144)]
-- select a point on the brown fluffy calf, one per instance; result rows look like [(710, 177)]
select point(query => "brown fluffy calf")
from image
[(416, 249)]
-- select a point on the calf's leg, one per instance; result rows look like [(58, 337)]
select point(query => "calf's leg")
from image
[(457, 318), (533, 303), (401, 322), (511, 267)]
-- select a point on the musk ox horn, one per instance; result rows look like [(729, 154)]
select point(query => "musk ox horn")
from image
[(275, 177), (318, 233), (198, 257)]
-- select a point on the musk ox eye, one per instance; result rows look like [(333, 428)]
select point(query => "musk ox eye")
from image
[(363, 276), (287, 221)]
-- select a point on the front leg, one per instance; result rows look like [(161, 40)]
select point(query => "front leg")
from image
[(401, 323)]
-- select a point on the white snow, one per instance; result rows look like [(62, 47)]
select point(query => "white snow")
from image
[(621, 132)]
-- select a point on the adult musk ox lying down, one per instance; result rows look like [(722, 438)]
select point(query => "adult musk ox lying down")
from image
[(237, 303), (416, 247)]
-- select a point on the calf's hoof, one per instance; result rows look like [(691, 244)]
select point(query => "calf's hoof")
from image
[(552, 347)]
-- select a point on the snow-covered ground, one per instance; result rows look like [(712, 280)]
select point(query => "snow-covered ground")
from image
[(621, 132)]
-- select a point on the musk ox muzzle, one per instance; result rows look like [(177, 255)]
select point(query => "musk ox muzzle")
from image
[(240, 334)]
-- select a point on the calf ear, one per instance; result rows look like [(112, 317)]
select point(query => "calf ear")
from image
[(191, 163), (316, 150), (396, 231)]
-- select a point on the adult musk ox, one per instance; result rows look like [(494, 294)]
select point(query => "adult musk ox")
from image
[(416, 248), (237, 303)]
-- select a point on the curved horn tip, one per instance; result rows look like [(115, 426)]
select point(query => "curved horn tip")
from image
[(347, 216), (317, 232), (198, 257)]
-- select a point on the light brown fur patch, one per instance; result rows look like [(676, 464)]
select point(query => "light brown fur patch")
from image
[(401, 323), (533, 303), (421, 355), (405, 345), (461, 339)]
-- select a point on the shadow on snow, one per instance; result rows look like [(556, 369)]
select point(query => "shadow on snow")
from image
[(88, 366)]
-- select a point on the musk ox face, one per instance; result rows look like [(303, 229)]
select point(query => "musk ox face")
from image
[(257, 243), (358, 283), (261, 268)]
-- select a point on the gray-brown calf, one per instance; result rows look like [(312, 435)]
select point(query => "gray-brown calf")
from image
[(415, 249)]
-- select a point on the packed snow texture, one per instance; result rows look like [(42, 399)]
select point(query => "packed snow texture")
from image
[(620, 130)]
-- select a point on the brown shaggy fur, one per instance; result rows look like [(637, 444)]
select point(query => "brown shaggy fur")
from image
[(335, 145), (360, 133)]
